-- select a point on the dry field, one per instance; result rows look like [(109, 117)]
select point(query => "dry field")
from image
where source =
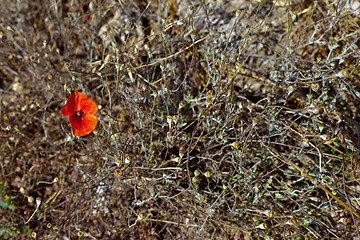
[(232, 119)]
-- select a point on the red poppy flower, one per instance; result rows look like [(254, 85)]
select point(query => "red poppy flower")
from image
[(81, 110)]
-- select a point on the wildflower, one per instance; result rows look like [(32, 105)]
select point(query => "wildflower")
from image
[(81, 110)]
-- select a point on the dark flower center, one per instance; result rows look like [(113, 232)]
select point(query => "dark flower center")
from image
[(80, 113)]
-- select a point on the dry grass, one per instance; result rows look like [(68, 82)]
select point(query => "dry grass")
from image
[(217, 120)]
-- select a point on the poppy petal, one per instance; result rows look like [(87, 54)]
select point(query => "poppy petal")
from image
[(84, 125), (89, 106), (73, 103)]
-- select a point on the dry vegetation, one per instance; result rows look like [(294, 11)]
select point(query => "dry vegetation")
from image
[(217, 119)]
